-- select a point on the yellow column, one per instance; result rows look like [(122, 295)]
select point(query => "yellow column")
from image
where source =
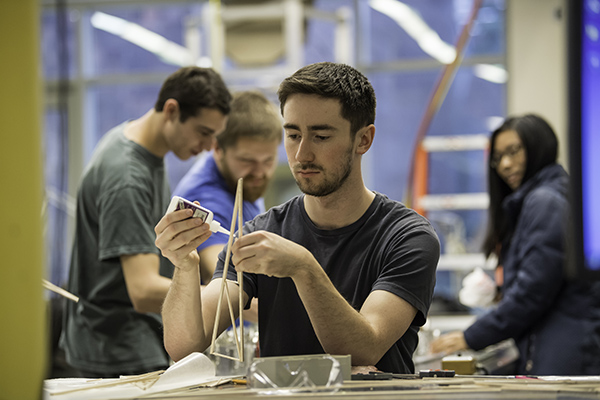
[(22, 310)]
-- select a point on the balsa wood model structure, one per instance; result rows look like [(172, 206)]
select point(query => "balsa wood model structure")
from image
[(239, 337)]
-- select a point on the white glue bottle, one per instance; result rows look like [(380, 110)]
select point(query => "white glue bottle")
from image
[(179, 203)]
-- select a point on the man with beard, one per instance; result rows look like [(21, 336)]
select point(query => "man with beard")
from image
[(339, 269), (247, 148)]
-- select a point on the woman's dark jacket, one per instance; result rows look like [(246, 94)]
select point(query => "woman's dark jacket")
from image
[(554, 322)]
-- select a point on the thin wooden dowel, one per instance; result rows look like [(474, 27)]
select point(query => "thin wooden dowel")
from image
[(239, 341), (58, 290), (121, 381), (224, 289), (226, 356), (240, 275), (232, 318)]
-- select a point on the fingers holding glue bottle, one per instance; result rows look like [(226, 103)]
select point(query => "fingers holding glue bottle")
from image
[(179, 203), (182, 229)]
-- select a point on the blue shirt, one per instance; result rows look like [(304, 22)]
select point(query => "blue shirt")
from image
[(204, 182)]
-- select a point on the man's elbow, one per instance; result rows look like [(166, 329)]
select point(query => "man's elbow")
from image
[(174, 351), (142, 308), (361, 355), (142, 305), (365, 358), (145, 299), (369, 353), (178, 348)]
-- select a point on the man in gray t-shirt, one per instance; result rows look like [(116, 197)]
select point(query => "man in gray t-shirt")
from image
[(116, 269), (338, 270)]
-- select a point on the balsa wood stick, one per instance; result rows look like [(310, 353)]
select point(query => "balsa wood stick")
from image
[(239, 341), (240, 275), (150, 376), (58, 290), (224, 289)]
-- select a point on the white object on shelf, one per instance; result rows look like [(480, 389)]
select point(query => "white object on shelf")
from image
[(456, 143), (465, 262), (462, 201)]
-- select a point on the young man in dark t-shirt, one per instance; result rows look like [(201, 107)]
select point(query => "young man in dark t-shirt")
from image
[(340, 269)]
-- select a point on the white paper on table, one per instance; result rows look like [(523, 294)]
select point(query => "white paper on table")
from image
[(194, 370)]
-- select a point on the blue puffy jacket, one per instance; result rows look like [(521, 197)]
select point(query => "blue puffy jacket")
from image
[(554, 322)]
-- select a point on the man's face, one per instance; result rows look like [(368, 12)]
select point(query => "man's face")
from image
[(318, 143), (251, 159), (196, 134)]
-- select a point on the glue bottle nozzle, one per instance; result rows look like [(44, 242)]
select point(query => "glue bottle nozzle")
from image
[(215, 227)]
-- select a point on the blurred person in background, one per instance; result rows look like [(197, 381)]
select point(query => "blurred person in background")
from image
[(247, 148), (553, 321), (116, 269)]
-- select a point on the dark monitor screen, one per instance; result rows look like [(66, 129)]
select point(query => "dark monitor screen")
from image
[(584, 136)]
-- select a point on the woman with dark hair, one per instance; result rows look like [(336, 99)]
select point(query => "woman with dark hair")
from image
[(550, 318)]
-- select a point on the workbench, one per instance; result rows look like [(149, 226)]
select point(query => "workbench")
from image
[(194, 377), (483, 388)]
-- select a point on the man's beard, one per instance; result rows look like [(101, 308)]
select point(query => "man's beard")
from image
[(328, 186), (250, 194)]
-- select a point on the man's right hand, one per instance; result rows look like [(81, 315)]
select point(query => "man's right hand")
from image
[(178, 235)]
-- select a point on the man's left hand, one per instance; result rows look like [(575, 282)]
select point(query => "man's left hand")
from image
[(266, 253)]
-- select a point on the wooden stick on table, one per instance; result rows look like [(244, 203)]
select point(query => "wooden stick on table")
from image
[(239, 341), (149, 378)]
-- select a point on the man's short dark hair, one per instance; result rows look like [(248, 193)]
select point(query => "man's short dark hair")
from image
[(336, 81), (194, 88), (252, 116)]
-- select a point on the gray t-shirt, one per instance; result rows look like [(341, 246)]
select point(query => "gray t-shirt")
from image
[(389, 248), (123, 194)]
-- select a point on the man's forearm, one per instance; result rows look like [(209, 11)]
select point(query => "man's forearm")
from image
[(182, 315), (339, 328), (156, 294)]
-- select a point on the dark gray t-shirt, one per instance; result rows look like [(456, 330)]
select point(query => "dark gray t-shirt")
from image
[(123, 194), (389, 248)]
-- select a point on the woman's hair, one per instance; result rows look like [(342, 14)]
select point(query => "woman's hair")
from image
[(540, 146)]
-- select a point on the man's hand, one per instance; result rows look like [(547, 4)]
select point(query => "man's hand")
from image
[(269, 254), (178, 235)]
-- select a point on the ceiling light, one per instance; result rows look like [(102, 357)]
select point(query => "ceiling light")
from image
[(168, 51), (427, 39)]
